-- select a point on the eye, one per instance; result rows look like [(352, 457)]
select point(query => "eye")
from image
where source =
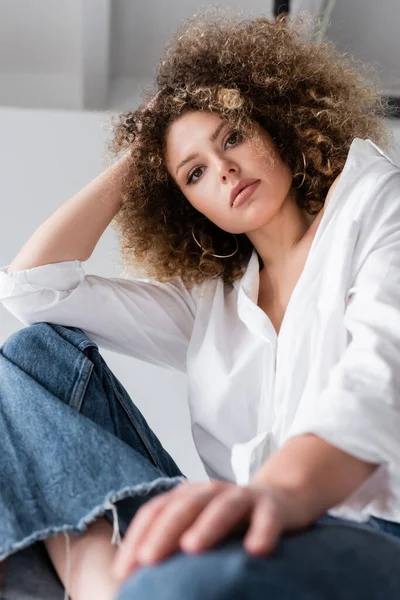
[(190, 178), (235, 135)]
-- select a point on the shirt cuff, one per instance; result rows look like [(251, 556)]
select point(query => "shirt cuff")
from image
[(364, 429), (62, 276)]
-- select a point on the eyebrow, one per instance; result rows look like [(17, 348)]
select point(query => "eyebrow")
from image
[(212, 138)]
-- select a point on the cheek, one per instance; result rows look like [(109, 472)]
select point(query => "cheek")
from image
[(212, 207), (202, 196), (196, 198), (206, 204), (279, 175)]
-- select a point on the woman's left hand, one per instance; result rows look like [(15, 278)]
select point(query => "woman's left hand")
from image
[(195, 516)]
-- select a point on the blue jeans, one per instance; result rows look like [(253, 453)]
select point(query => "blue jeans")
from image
[(74, 446)]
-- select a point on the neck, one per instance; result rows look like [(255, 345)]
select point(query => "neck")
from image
[(278, 241)]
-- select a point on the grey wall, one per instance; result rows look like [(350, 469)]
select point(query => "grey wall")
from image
[(95, 54)]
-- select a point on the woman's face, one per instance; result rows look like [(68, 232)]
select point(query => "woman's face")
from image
[(215, 159)]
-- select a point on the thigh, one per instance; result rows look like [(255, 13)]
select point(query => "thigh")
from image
[(129, 423), (327, 561)]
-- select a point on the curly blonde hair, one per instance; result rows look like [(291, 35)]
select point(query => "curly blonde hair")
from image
[(308, 96)]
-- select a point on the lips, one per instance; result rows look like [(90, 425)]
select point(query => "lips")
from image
[(239, 187)]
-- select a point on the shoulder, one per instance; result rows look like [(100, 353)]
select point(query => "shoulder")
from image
[(368, 185), (365, 162), (376, 201), (331, 190)]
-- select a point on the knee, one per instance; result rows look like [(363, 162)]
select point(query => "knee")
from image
[(316, 562), (181, 577), (30, 340), (224, 573), (25, 340), (41, 340)]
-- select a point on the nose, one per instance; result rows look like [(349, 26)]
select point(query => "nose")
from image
[(226, 171)]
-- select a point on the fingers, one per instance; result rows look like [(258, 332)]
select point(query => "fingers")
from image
[(264, 530), (166, 531), (157, 526), (196, 517), (153, 100), (223, 512), (125, 558)]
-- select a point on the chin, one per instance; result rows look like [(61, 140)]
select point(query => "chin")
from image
[(256, 218)]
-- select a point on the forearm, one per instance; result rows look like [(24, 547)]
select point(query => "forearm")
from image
[(73, 230), (321, 474)]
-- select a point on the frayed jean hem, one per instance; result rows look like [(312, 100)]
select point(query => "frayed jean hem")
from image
[(157, 486)]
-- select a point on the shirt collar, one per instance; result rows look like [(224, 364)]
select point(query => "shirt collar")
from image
[(360, 149)]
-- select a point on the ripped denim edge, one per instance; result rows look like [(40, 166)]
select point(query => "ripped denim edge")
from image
[(162, 483)]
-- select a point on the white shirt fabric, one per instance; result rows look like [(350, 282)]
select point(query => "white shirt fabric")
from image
[(333, 370)]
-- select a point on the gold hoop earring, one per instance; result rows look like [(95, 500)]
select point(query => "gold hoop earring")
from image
[(304, 174), (211, 254)]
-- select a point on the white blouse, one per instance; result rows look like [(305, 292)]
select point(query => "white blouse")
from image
[(333, 370)]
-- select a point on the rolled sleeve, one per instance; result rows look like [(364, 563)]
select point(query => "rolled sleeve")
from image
[(359, 409), (145, 319), (63, 277)]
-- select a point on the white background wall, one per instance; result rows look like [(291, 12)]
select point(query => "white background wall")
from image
[(45, 158)]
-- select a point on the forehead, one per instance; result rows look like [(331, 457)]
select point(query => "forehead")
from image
[(187, 130), (194, 119)]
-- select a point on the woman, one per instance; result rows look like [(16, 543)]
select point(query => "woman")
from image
[(266, 218)]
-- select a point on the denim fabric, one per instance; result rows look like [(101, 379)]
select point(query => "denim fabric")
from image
[(72, 441), (333, 560)]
